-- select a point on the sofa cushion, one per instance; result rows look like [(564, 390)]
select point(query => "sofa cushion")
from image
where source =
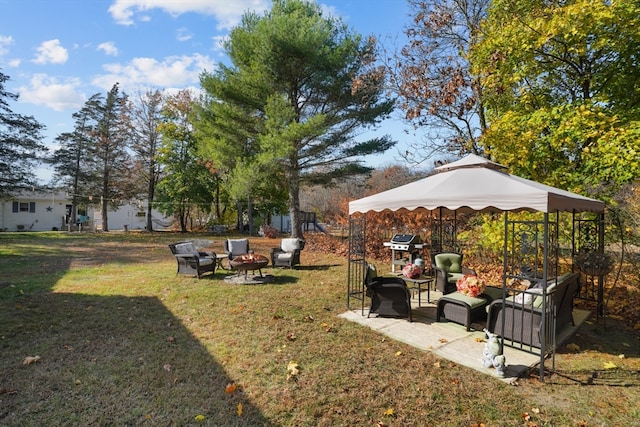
[(453, 277), (238, 246), (448, 262), (284, 255), (537, 302), (186, 249), (290, 245)]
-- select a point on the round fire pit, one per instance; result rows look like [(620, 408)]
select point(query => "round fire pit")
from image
[(249, 262)]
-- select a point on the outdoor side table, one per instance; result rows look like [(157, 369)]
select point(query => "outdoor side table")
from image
[(462, 309), (417, 284), (219, 258)]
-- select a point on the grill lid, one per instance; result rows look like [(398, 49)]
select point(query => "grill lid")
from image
[(406, 239)]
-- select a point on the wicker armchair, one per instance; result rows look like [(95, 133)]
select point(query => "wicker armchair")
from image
[(191, 261), (448, 268), (288, 254), (234, 248), (390, 297)]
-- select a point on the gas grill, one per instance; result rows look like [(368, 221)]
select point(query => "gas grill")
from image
[(399, 243), (406, 242)]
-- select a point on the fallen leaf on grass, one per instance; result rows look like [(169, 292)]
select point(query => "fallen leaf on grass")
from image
[(621, 356), (478, 339), (167, 367), (610, 365), (291, 336), (30, 360), (390, 412), (437, 365), (328, 328), (200, 418), (398, 353), (443, 340), (230, 388), (239, 409), (293, 369)]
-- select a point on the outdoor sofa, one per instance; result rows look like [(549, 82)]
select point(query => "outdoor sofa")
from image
[(523, 312)]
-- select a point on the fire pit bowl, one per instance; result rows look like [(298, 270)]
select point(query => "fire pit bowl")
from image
[(249, 262)]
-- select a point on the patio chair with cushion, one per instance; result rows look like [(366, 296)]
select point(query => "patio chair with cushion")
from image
[(448, 269), (191, 261), (390, 297), (288, 254), (234, 248)]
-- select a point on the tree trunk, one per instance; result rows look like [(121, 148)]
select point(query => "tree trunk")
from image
[(294, 205), (183, 219), (150, 195), (250, 214), (105, 207), (239, 224)]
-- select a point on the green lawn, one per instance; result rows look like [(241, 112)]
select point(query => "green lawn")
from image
[(123, 341)]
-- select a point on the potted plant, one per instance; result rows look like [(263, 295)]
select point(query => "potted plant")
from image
[(594, 263)]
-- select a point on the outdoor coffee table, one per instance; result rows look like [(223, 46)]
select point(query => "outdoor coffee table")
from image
[(249, 262)]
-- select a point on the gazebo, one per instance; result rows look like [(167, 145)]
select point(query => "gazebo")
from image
[(475, 184)]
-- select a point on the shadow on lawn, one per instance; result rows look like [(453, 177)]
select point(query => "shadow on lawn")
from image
[(109, 361), (104, 360)]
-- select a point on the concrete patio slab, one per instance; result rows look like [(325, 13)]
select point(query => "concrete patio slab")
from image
[(452, 341)]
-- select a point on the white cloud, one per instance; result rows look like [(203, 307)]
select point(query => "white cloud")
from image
[(183, 35), (5, 42), (226, 12), (173, 71), (218, 42), (109, 48), (49, 92), (51, 51)]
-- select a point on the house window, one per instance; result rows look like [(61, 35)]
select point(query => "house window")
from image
[(20, 207), (141, 214)]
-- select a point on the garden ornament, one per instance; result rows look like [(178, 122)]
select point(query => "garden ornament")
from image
[(492, 354)]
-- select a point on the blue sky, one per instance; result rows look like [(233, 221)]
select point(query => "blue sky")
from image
[(58, 53)]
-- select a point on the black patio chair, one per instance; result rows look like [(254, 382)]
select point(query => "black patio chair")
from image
[(390, 297), (191, 261)]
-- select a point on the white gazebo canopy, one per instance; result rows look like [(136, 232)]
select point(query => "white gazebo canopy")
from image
[(475, 183)]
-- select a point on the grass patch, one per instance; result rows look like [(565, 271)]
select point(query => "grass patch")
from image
[(122, 340)]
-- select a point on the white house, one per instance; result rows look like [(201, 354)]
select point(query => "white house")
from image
[(42, 211), (35, 211), (132, 216)]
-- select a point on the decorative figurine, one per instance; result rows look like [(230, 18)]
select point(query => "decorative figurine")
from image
[(492, 354)]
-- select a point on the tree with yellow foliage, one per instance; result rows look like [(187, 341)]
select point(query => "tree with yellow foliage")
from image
[(561, 85)]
